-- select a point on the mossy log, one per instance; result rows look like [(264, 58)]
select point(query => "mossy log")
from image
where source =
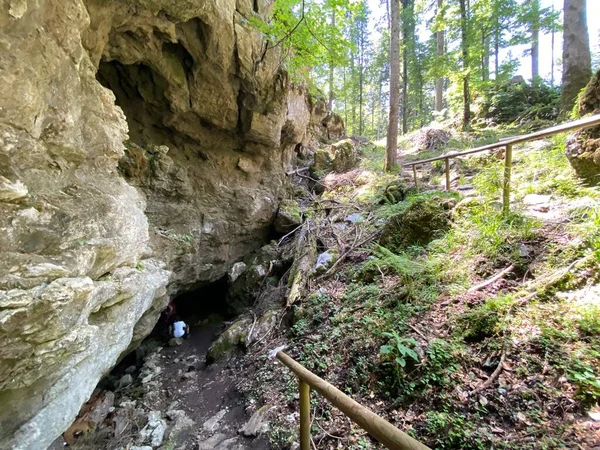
[(305, 257)]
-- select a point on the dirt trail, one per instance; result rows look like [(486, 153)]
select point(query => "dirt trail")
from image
[(209, 395)]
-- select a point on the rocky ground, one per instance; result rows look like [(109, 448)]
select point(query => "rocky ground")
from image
[(165, 396)]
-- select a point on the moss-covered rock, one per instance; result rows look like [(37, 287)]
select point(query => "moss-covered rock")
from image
[(422, 221), (339, 157), (289, 216), (345, 155), (232, 337), (583, 147), (323, 163)]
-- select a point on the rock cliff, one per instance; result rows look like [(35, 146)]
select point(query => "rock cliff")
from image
[(143, 151)]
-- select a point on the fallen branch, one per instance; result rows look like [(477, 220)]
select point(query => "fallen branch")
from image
[(343, 257), (491, 280), (290, 233), (416, 330), (297, 171), (492, 377)]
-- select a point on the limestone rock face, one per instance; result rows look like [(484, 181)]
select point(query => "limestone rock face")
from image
[(143, 148), (583, 147)]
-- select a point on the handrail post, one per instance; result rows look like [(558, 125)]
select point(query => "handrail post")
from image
[(415, 175), (304, 389), (447, 174), (507, 175)]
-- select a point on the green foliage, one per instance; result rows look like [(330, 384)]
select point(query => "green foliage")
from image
[(587, 382), (399, 352), (485, 320), (450, 430), (520, 102), (304, 32)]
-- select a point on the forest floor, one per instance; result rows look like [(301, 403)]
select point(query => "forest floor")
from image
[(409, 327)]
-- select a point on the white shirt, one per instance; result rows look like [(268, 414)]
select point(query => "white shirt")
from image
[(178, 329)]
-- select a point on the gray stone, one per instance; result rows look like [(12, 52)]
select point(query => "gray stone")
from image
[(324, 261), (354, 218), (234, 273), (212, 424), (124, 381), (154, 431), (174, 342), (289, 216), (464, 187), (257, 422)]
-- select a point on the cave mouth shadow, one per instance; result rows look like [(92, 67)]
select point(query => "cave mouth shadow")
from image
[(204, 304)]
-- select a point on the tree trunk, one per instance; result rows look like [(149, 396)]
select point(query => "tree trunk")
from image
[(577, 65), (439, 82), (331, 66), (496, 53), (465, 60), (553, 55), (407, 46), (535, 39), (392, 134), (485, 54)]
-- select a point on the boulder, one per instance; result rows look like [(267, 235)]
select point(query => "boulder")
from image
[(583, 147), (289, 216), (339, 157), (345, 155), (257, 423), (422, 221)]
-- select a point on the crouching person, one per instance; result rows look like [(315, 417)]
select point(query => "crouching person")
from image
[(179, 329)]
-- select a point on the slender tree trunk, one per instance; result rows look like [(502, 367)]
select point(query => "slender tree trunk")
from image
[(553, 54), (485, 54), (496, 52), (392, 134), (465, 57), (439, 82), (407, 46), (331, 65), (535, 39), (345, 97), (577, 65), (380, 103)]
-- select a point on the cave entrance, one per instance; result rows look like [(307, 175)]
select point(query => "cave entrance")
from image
[(205, 304)]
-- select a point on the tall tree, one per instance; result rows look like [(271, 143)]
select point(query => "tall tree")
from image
[(440, 41), (392, 135), (407, 53), (535, 38), (464, 32), (577, 64)]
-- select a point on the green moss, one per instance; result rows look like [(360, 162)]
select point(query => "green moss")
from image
[(425, 219)]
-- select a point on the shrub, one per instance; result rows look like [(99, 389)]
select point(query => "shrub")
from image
[(520, 102)]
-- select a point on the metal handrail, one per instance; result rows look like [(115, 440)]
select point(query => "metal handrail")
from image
[(508, 143), (379, 428)]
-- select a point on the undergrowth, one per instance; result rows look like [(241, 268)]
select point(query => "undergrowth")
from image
[(401, 331)]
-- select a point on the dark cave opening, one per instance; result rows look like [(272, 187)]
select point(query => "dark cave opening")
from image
[(206, 302)]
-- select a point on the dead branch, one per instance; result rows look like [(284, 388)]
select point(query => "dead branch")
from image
[(492, 377), (495, 278), (416, 330), (345, 254)]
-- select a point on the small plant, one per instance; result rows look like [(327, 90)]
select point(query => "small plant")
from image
[(587, 382), (400, 351)]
